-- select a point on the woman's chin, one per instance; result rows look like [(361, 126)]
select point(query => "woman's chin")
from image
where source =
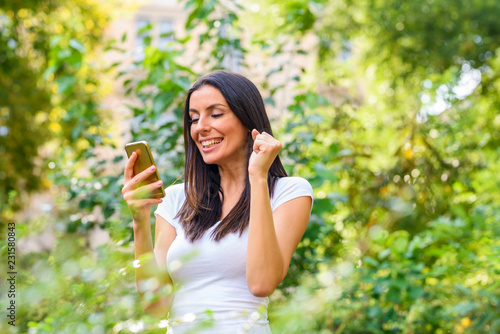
[(210, 161)]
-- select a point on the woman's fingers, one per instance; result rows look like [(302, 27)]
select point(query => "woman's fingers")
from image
[(144, 175), (129, 167), (129, 171), (255, 133), (263, 136), (265, 150), (265, 142), (138, 179), (138, 192), (144, 192), (136, 204)]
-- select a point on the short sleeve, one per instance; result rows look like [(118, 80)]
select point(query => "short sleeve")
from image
[(288, 188), (172, 203)]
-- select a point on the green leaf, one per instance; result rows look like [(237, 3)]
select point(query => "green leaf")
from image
[(77, 45), (415, 292), (370, 261), (65, 84), (161, 101), (50, 70)]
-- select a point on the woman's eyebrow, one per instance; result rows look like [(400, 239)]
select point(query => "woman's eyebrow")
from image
[(209, 107), (215, 105)]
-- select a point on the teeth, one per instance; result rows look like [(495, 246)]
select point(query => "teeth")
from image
[(209, 143)]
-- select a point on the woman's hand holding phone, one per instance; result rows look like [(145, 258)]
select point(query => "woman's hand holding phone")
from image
[(138, 195)]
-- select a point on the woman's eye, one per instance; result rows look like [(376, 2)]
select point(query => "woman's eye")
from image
[(194, 120)]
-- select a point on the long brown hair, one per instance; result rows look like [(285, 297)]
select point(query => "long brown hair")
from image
[(202, 208)]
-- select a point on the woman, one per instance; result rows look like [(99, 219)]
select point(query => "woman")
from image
[(225, 238)]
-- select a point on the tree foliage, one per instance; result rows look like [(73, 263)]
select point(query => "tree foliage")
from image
[(391, 114), (50, 89), (399, 181)]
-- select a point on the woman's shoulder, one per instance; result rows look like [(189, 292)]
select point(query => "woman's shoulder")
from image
[(175, 192), (293, 181), (172, 202), (290, 187), (175, 188)]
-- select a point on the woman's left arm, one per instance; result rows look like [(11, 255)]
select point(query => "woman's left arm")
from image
[(272, 236)]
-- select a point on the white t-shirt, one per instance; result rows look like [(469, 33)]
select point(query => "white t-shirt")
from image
[(210, 275)]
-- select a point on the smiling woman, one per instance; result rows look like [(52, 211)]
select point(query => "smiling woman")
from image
[(216, 130), (224, 238)]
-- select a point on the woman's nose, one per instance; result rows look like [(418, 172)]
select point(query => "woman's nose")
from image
[(203, 125)]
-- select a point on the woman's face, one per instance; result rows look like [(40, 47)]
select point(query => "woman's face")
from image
[(219, 135)]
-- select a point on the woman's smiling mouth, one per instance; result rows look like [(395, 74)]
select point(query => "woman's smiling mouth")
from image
[(210, 144)]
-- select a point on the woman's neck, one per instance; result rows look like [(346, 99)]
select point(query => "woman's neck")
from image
[(232, 180)]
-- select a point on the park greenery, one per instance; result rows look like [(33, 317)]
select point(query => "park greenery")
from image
[(389, 108)]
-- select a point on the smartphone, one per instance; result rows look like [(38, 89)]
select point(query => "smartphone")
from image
[(143, 162)]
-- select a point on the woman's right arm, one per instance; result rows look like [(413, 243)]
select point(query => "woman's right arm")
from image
[(152, 280), (151, 276)]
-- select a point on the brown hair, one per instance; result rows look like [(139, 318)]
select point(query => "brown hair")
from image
[(203, 206)]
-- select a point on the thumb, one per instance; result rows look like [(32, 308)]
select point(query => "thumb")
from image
[(255, 133)]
